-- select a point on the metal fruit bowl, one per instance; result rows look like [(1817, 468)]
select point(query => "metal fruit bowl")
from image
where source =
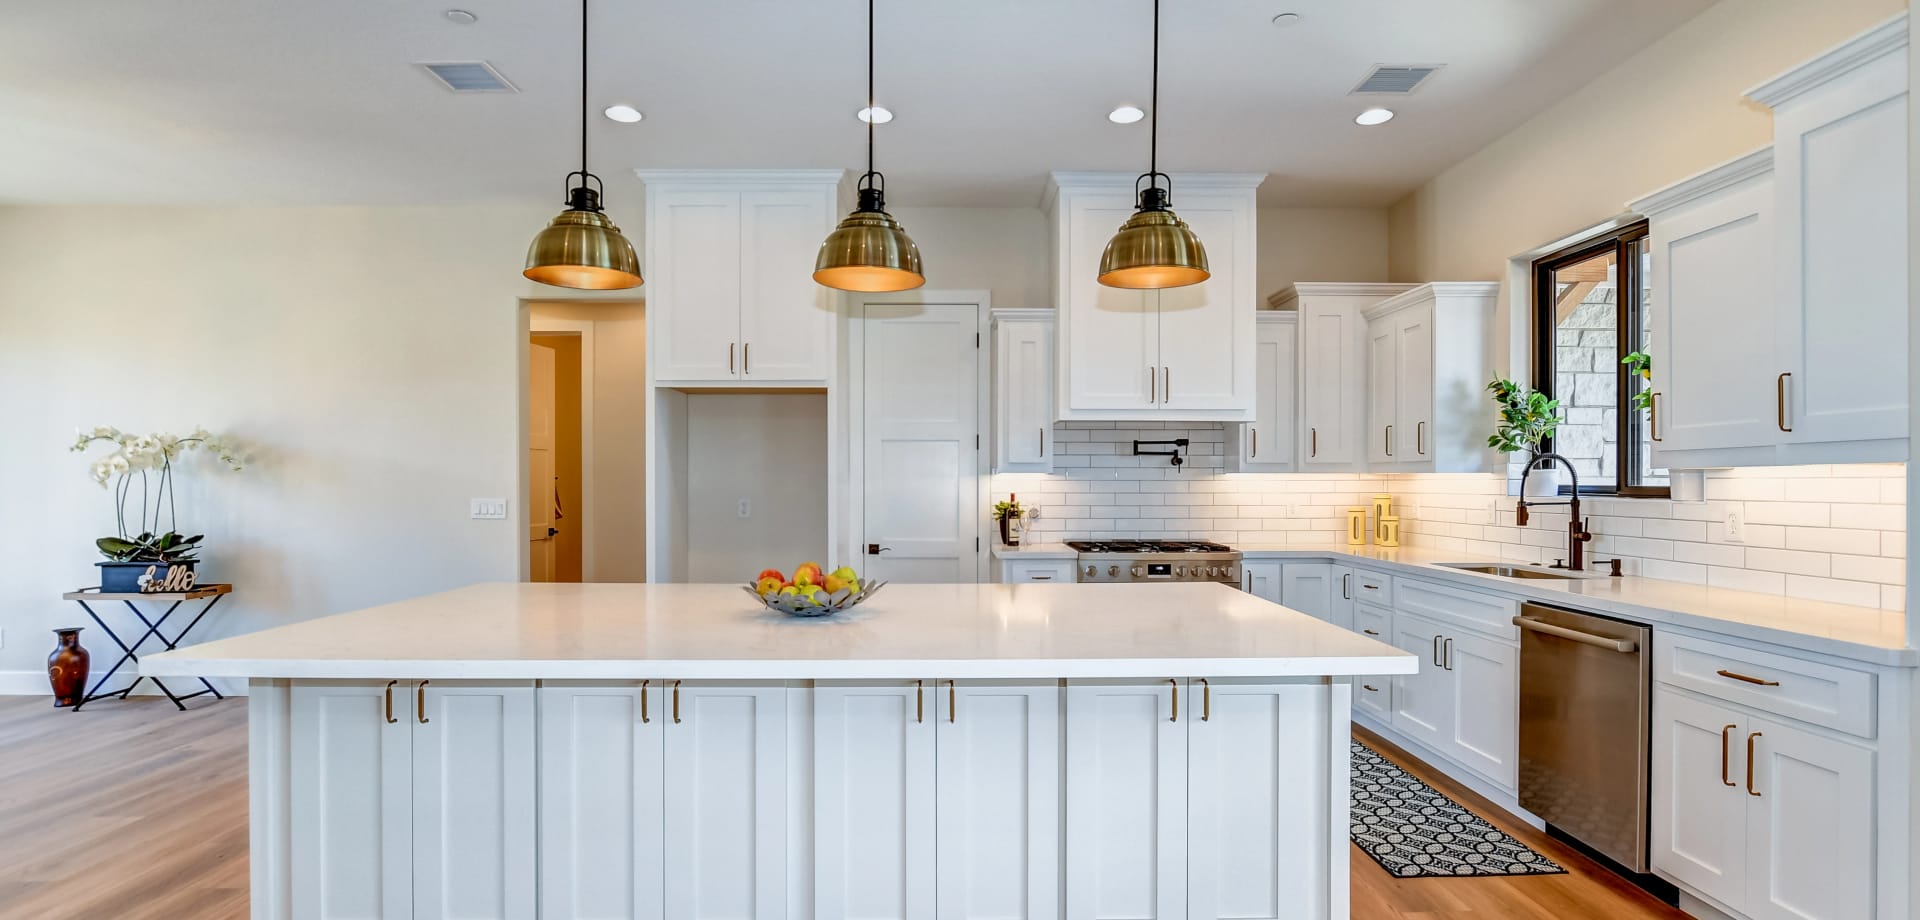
[(793, 605)]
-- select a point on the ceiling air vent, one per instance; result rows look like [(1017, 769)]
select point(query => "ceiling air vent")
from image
[(1394, 79), (469, 77)]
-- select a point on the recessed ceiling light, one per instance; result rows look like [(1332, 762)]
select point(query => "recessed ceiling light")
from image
[(1373, 117), (878, 115), (1126, 115), (1286, 20), (625, 114), (462, 17)]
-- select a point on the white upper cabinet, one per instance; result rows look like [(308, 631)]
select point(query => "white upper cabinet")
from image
[(729, 268), (1184, 354), (1332, 369), (1266, 444), (1428, 364), (1023, 391), (1840, 278)]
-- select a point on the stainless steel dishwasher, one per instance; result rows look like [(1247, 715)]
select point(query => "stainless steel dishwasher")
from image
[(1585, 702)]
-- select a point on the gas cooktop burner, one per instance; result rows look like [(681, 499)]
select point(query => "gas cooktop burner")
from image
[(1148, 546)]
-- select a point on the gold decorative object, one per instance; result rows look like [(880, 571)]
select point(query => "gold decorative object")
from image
[(1389, 532), (1357, 526), (1382, 509)]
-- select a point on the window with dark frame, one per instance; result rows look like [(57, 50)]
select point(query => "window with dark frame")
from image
[(1590, 332)]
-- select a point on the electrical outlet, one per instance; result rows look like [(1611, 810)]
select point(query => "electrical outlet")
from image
[(1734, 530), (3, 638), (1033, 512), (489, 509), (746, 509)]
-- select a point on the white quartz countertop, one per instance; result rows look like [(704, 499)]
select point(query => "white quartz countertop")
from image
[(663, 631), (1861, 633)]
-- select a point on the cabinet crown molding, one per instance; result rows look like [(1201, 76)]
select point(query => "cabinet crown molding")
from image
[(1881, 40), (1283, 299), (1023, 314), (741, 177), (1276, 316), (1432, 290), (1702, 184)]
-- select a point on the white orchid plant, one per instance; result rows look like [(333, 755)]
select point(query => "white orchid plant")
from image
[(148, 459)]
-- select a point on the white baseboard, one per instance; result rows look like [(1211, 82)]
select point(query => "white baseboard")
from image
[(34, 683)]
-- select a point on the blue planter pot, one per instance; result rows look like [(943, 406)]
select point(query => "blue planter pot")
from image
[(124, 577)]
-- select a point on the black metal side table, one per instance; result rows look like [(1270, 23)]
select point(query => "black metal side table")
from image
[(209, 593)]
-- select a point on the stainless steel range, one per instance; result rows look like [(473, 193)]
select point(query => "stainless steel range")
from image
[(1155, 560)]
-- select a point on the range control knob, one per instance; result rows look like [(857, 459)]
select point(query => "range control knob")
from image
[(1179, 570), (1092, 569), (1138, 571), (1213, 571), (1113, 570)]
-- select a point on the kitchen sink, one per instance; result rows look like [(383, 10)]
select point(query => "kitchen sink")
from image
[(1510, 571)]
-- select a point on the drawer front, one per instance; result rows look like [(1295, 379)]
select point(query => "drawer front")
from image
[(1822, 694), (1022, 570), (1372, 587), (1374, 696), (1373, 621), (1452, 606)]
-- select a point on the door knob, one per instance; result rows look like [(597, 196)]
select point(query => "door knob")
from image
[(553, 531), (875, 549)]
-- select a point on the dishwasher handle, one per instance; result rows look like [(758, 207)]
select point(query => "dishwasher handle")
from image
[(1624, 646)]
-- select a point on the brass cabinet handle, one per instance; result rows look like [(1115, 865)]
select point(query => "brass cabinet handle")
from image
[(1369, 632), (1723, 753), (1256, 441), (729, 357), (1723, 672), (1750, 789), (919, 701), (1436, 651), (1420, 438), (746, 358), (1175, 717), (1780, 400), (420, 702), (1153, 385), (1370, 687), (1206, 700), (1653, 416), (1166, 384), (390, 718), (1386, 439), (1446, 653), (953, 707), (644, 718), (1313, 440), (676, 702)]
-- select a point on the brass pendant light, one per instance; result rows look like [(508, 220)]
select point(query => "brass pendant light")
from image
[(582, 248), (1154, 248), (869, 252)]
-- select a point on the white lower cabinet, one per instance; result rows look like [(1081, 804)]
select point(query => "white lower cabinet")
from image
[(1126, 788), (873, 799), (1423, 702), (1308, 587), (1016, 571), (602, 791), (412, 799), (1372, 695), (1464, 702), (1768, 819), (1263, 578), (725, 818)]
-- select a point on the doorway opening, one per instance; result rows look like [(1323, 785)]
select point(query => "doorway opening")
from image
[(556, 517)]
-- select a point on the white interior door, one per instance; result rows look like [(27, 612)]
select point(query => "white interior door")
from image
[(473, 800), (540, 463), (921, 456), (351, 794)]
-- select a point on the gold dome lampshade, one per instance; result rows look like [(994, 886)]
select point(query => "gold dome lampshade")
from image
[(583, 249), (1154, 249), (869, 252)]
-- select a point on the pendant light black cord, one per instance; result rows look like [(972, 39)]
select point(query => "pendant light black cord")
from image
[(583, 86), (870, 112), (1153, 129)]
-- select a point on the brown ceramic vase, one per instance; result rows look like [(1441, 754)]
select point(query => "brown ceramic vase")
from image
[(67, 668)]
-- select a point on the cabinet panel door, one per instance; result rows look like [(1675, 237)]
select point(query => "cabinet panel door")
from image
[(1423, 702), (1023, 396), (1333, 384), (726, 801), (1810, 831), (601, 798), (1699, 808), (473, 800), (1486, 713), (1262, 579), (1715, 311), (786, 319), (1840, 157), (1309, 588), (873, 786), (1413, 386), (1126, 783), (1258, 841), (1267, 444), (1112, 335), (998, 822), (1206, 329), (693, 284), (351, 797), (1382, 390), (1340, 596)]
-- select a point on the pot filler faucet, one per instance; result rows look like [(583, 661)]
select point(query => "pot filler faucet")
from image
[(1577, 533)]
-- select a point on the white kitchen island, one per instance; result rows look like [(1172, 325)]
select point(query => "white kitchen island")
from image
[(674, 751)]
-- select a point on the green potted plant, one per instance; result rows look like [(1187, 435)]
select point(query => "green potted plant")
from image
[(143, 552), (1527, 417), (1008, 514)]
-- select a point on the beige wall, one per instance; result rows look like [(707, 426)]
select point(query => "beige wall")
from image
[(1320, 244), (617, 516), (1679, 101), (770, 450)]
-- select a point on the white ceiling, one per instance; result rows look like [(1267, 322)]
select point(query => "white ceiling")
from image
[(271, 101)]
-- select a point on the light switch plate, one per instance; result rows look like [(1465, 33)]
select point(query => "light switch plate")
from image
[(489, 509), (746, 508)]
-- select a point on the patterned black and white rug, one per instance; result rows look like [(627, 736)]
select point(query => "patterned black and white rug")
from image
[(1413, 831)]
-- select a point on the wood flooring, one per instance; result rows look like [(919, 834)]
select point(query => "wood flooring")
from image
[(134, 811)]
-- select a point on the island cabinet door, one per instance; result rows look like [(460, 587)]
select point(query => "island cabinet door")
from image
[(473, 800), (873, 799), (1260, 830), (1126, 817), (998, 799), (350, 797), (726, 801), (601, 798)]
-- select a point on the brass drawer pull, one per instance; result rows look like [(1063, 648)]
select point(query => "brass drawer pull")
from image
[(1313, 439), (1780, 400), (1175, 717), (919, 701), (1256, 441), (676, 702), (1750, 789), (420, 702), (390, 718), (643, 702), (746, 358), (1723, 754), (1153, 385), (1206, 700), (1420, 439), (1446, 653), (953, 707), (1723, 672), (1387, 440), (729, 357)]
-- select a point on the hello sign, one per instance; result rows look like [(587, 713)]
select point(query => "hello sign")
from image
[(178, 579)]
